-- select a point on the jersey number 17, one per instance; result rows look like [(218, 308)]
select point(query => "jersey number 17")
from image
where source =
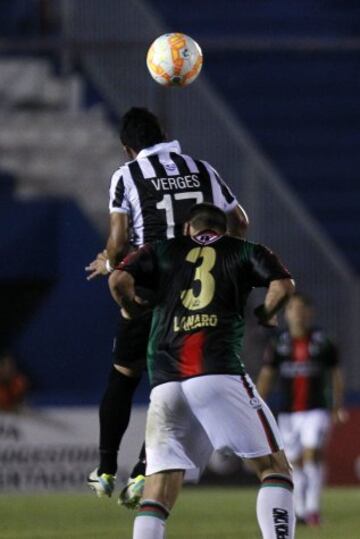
[(167, 204)]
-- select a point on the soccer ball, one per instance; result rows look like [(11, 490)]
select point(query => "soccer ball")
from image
[(174, 60)]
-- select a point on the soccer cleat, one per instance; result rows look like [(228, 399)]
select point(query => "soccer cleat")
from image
[(301, 521), (102, 484), (131, 494), (313, 520)]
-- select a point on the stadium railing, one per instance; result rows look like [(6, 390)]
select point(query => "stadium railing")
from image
[(109, 41)]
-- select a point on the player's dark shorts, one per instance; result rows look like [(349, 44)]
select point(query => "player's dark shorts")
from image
[(130, 343)]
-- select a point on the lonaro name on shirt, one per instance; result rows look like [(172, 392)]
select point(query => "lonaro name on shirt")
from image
[(187, 323)]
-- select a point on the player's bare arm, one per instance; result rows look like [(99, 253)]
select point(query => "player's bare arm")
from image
[(265, 381), (122, 288), (339, 414), (238, 222), (117, 244), (116, 247), (278, 293), (122, 285)]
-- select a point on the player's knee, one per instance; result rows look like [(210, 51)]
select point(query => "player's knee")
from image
[(283, 466), (164, 487), (153, 508), (313, 454), (274, 463), (131, 372)]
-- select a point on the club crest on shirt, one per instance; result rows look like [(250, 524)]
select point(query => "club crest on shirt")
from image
[(170, 167), (206, 237)]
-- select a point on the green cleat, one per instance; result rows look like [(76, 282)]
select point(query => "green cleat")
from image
[(102, 484), (131, 494)]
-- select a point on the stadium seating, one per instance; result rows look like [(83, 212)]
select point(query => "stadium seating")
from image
[(50, 143), (55, 160), (278, 18), (302, 107)]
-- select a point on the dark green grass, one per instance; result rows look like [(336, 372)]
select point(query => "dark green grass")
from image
[(201, 513)]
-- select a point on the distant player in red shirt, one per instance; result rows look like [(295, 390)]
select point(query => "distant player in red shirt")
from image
[(306, 363)]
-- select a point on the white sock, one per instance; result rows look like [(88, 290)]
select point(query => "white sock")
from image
[(149, 522), (299, 491), (275, 508), (315, 477), (147, 527)]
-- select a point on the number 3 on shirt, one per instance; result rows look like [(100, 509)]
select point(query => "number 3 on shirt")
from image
[(202, 274)]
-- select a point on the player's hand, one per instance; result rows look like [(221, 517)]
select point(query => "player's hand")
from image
[(97, 267), (339, 416), (272, 322), (262, 319)]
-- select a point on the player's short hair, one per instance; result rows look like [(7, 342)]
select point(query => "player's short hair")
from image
[(140, 129), (305, 300), (208, 216)]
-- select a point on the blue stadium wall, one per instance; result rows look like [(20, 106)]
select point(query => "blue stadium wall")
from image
[(58, 325)]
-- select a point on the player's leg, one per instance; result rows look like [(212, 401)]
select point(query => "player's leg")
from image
[(131, 494), (175, 444), (221, 402), (290, 425), (114, 414), (300, 483), (314, 436), (115, 408), (129, 361), (139, 467), (314, 472), (160, 493), (275, 504)]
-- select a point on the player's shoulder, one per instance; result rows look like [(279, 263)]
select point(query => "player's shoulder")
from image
[(282, 335), (122, 173), (169, 252), (173, 244), (198, 162), (320, 337), (177, 243), (282, 342), (246, 247), (209, 167), (232, 241)]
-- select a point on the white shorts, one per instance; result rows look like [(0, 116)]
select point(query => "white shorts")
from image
[(301, 430), (188, 420)]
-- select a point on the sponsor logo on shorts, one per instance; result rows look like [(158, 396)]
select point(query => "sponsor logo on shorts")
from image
[(281, 523), (255, 403)]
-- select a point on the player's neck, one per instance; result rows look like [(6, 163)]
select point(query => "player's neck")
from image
[(299, 332)]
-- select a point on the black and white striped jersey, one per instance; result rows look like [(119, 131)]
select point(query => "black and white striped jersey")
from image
[(160, 186)]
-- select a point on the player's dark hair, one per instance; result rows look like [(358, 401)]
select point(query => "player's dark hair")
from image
[(303, 298), (140, 129), (207, 216)]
